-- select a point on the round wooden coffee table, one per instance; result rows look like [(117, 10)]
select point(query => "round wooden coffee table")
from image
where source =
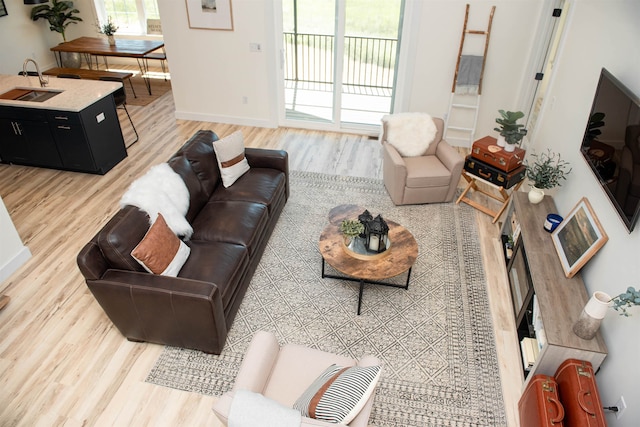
[(396, 260)]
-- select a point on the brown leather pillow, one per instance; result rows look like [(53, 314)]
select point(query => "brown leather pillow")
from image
[(160, 251)]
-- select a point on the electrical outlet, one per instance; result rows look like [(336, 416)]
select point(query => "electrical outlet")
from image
[(245, 100), (621, 405), (255, 47)]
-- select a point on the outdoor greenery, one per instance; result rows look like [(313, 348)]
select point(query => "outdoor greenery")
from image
[(547, 170), (626, 300), (60, 14), (364, 18)]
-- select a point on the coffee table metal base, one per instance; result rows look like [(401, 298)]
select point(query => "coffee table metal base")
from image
[(363, 281)]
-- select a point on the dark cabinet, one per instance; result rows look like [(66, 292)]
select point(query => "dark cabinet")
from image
[(27, 139), (86, 141)]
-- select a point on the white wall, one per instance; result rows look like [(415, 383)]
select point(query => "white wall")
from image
[(22, 38), (438, 33), (12, 252), (599, 34), (213, 70)]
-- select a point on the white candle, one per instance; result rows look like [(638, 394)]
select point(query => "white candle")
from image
[(374, 243)]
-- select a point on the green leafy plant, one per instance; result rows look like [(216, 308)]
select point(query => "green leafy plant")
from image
[(626, 300), (512, 131), (60, 14), (547, 170), (109, 28), (351, 227)]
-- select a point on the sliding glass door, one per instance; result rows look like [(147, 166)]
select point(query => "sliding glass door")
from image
[(339, 61)]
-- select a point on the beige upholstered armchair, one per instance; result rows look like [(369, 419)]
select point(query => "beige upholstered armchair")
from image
[(425, 172), (283, 374)]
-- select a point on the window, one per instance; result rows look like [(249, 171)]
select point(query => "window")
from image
[(129, 15)]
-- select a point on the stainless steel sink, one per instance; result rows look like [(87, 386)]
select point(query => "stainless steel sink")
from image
[(29, 94)]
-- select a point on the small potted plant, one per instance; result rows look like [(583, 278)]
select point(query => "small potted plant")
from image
[(109, 29), (547, 170), (511, 132), (351, 228)]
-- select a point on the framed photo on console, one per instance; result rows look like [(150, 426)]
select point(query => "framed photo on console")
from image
[(578, 237), (210, 14)]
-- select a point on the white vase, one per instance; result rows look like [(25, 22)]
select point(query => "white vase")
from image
[(112, 40), (592, 314), (536, 195), (500, 141), (509, 148)]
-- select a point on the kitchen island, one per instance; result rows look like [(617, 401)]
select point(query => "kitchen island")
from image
[(70, 124)]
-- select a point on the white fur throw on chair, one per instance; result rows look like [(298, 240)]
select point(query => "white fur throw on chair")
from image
[(410, 133), (161, 190)]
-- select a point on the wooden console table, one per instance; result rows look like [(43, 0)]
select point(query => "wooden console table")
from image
[(503, 195), (535, 272)]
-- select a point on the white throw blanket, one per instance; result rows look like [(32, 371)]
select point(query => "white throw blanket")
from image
[(249, 409), (161, 190)]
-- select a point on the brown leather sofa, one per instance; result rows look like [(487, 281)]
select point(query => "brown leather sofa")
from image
[(231, 229)]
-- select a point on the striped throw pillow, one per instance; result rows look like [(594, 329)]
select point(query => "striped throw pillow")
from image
[(339, 393)]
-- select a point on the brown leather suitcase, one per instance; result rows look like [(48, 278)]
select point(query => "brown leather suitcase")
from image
[(539, 405), (487, 151), (494, 175), (579, 394)]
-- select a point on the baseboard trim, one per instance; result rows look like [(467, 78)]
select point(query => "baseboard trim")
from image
[(15, 263), (242, 121)]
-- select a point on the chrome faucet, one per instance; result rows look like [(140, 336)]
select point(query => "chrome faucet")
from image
[(43, 81)]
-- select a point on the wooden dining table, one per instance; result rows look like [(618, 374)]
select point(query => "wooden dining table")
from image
[(124, 48)]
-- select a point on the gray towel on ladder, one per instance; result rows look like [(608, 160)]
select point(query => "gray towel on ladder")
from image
[(469, 73)]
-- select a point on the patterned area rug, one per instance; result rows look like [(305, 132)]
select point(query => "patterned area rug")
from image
[(435, 339)]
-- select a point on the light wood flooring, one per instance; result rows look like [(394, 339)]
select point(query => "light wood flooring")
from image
[(62, 362)]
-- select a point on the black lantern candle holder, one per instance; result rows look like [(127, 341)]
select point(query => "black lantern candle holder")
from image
[(377, 238), (365, 218)]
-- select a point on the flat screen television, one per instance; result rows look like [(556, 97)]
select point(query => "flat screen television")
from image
[(611, 145)]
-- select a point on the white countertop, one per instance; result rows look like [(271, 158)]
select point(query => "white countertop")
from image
[(76, 94)]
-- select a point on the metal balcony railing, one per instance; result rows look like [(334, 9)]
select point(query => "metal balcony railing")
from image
[(368, 65)]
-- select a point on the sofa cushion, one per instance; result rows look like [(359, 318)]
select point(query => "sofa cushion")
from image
[(230, 156), (120, 235), (160, 251), (199, 151), (339, 393), (223, 264), (426, 171), (198, 197), (238, 222), (259, 185)]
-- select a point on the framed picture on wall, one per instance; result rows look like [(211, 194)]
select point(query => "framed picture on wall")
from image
[(3, 9), (578, 237), (210, 14)]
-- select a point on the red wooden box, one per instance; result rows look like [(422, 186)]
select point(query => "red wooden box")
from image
[(539, 405), (579, 394)]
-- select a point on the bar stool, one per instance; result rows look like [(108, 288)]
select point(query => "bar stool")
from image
[(120, 98)]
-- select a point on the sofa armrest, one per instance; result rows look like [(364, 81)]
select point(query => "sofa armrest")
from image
[(91, 262), (394, 172), (222, 407), (266, 158), (164, 310), (449, 157), (258, 362)]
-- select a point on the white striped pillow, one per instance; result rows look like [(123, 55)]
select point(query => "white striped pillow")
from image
[(339, 393)]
